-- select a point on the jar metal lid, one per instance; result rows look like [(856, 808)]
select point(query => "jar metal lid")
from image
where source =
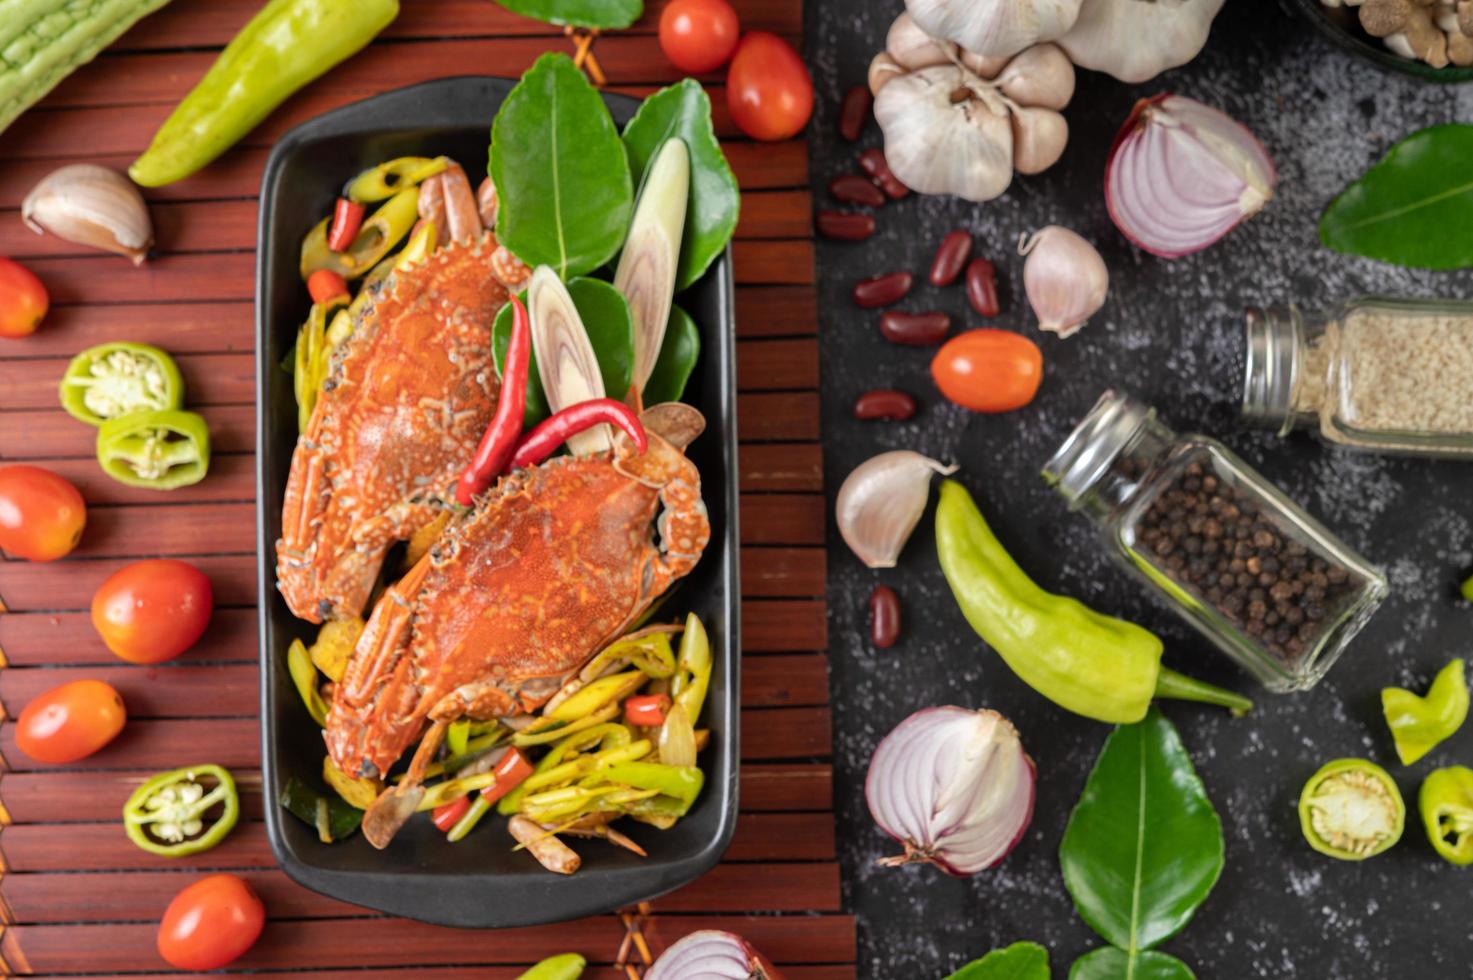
[(1270, 366), (1094, 444)]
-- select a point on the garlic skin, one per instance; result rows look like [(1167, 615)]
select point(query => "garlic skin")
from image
[(881, 502), (1041, 77), (913, 48), (93, 206), (1136, 40), (1065, 278), (936, 143), (995, 28), (1039, 138)]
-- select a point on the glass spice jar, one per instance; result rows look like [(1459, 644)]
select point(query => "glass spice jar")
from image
[(1225, 549), (1374, 374)]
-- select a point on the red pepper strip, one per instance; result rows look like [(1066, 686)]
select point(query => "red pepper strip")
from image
[(647, 710), (347, 219), (506, 425), (552, 432), (324, 284), (510, 772), (449, 815)]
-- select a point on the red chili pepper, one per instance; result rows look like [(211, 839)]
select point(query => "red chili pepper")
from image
[(449, 815), (506, 425), (647, 710), (324, 284), (347, 218), (510, 772), (552, 432)]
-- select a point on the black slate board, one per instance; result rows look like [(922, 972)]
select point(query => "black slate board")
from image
[(1170, 333)]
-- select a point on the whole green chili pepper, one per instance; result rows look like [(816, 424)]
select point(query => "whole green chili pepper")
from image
[(1446, 804), (120, 378), (286, 45), (568, 966), (155, 450), (1351, 810), (166, 815), (1093, 665), (1419, 723)]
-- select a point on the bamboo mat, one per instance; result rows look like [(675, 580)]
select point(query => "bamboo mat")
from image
[(78, 897)]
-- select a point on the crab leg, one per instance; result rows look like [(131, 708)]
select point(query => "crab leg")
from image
[(384, 638), (394, 807)]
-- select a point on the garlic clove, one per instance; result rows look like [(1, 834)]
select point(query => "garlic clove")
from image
[(983, 66), (1039, 138), (93, 206), (943, 136), (881, 502), (913, 48), (995, 27), (1065, 279), (881, 70), (1135, 41), (1041, 77)]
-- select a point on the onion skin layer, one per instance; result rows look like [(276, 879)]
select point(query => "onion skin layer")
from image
[(711, 954)]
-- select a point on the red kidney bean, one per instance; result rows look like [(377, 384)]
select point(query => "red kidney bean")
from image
[(882, 290), (854, 112), (915, 329), (872, 162), (951, 255), (885, 405), (848, 226), (982, 287), (854, 189), (884, 617)]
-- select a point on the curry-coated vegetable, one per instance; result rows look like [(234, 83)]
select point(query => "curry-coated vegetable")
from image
[(1351, 810), (1446, 805), (1093, 665), (171, 813), (1418, 723), (286, 45), (112, 380), (160, 450)]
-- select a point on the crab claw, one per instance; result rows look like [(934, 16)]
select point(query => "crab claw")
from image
[(391, 811)]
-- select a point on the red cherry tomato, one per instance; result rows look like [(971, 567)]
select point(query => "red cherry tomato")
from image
[(70, 722), (699, 35), (154, 610), (768, 89), (211, 923), (989, 370), (23, 300), (41, 514)]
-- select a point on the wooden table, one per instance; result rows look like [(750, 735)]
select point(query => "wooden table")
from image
[(78, 897)]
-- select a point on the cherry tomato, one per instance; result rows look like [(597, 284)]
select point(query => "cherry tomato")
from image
[(989, 370), (768, 89), (41, 514), (154, 610), (70, 722), (23, 300), (210, 923), (699, 35)]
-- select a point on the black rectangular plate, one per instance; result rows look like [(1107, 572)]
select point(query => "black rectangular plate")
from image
[(478, 882)]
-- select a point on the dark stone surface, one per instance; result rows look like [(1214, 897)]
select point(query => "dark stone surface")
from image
[(1168, 333)]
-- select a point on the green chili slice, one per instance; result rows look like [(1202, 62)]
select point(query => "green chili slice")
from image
[(1446, 804), (393, 176), (158, 450), (1351, 810), (169, 814), (1419, 722), (382, 230), (112, 380)]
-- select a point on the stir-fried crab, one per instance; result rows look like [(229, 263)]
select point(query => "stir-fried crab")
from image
[(552, 564)]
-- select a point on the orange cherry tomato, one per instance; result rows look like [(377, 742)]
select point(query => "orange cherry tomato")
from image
[(699, 35), (23, 300), (211, 923), (70, 722), (989, 370), (153, 610), (768, 88), (41, 514)]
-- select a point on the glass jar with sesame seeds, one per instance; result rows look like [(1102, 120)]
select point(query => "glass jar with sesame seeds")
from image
[(1375, 374)]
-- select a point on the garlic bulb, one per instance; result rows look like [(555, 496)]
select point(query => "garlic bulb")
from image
[(995, 27), (1065, 279), (91, 205), (954, 787), (1135, 40), (881, 502)]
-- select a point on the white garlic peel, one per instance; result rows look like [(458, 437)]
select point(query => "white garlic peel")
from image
[(93, 206), (1065, 279), (995, 27), (881, 502), (1136, 40)]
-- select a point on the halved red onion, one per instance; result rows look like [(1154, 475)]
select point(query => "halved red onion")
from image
[(1182, 174), (954, 786), (712, 955)]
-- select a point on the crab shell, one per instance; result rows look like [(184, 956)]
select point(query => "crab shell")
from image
[(408, 396)]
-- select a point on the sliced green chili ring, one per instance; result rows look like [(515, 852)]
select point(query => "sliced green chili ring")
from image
[(155, 450), (381, 231), (1446, 805), (167, 815), (1351, 810), (389, 178), (112, 380)]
